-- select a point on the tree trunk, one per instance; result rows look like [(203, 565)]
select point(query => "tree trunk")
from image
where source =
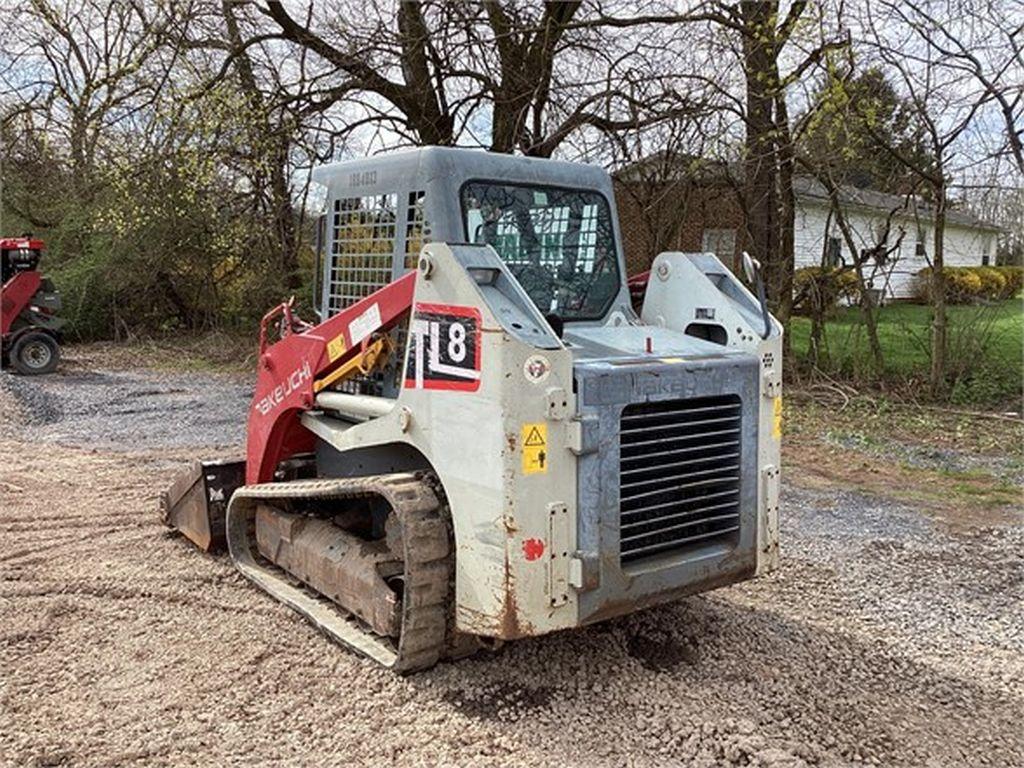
[(818, 310), (937, 378), (759, 163), (511, 102), (284, 215), (867, 307), (815, 300)]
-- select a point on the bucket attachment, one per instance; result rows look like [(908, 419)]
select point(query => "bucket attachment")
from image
[(197, 501)]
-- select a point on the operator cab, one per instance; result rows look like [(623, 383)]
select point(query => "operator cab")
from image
[(552, 223), (558, 243)]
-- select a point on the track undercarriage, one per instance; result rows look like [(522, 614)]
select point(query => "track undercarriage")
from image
[(368, 560)]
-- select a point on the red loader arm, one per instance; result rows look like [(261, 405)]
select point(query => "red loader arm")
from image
[(289, 369)]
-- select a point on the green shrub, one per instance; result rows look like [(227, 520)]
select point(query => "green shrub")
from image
[(824, 288)]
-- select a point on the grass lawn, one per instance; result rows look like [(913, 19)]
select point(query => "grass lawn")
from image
[(986, 347)]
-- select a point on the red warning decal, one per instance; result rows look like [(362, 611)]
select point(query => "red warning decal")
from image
[(533, 549), (444, 348)]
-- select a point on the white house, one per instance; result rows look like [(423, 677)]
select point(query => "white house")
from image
[(703, 212), (818, 239)]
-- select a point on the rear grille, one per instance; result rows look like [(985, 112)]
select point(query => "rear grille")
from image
[(679, 474)]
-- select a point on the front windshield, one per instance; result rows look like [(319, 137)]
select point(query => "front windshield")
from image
[(557, 242)]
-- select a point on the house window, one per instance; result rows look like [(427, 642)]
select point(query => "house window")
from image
[(834, 254), (985, 259), (919, 249), (721, 242)]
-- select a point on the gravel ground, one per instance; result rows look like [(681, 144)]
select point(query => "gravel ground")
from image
[(887, 638), (125, 409)]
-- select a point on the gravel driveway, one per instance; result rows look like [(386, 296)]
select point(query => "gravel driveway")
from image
[(126, 410), (889, 637)]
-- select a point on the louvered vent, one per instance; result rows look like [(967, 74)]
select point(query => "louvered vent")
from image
[(679, 474)]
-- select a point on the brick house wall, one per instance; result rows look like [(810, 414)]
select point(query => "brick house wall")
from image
[(684, 216)]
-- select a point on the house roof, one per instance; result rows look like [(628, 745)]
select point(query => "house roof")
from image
[(809, 188)]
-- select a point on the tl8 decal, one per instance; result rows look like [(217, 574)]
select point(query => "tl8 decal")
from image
[(444, 348)]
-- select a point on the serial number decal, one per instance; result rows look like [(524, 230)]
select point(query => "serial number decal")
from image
[(364, 179), (365, 324), (444, 348)]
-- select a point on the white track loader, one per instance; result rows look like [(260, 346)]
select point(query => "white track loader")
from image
[(481, 440)]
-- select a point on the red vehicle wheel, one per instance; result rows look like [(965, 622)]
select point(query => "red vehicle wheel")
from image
[(34, 353)]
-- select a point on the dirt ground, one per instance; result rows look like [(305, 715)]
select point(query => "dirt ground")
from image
[(892, 635)]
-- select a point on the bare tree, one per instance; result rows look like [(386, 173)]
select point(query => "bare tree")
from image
[(987, 45), (535, 73), (667, 175), (945, 107), (762, 40), (83, 71)]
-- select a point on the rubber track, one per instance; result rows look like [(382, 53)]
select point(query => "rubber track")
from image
[(426, 551)]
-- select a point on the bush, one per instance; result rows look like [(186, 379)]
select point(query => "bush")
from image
[(1014, 277), (963, 285), (817, 288), (993, 284)]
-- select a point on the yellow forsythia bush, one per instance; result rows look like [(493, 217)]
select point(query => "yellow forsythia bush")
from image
[(993, 284), (963, 285), (1014, 277), (825, 287)]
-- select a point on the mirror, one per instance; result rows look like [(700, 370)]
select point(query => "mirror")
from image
[(751, 267)]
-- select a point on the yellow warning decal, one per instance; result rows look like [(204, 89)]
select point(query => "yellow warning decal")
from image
[(336, 347), (672, 360), (535, 448), (777, 413)]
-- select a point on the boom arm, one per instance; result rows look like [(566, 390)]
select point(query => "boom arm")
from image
[(291, 368)]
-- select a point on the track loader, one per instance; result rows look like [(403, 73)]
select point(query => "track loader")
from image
[(481, 440)]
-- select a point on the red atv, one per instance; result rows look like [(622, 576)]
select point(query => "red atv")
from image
[(29, 326)]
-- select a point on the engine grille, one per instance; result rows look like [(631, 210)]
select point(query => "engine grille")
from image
[(679, 474)]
